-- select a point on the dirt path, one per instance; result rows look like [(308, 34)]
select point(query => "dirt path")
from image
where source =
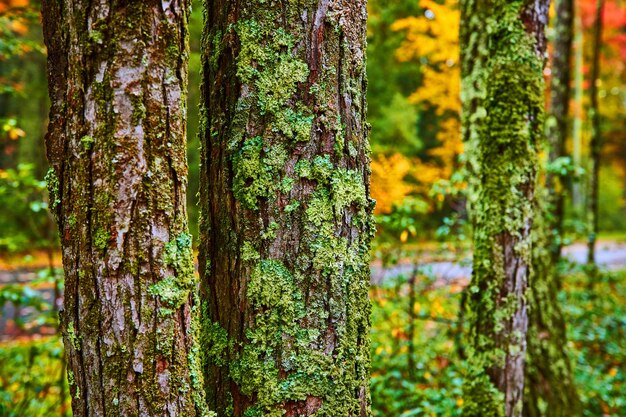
[(610, 256)]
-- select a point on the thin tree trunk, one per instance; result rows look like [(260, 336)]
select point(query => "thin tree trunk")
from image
[(577, 197), (116, 142), (503, 46), (285, 207), (596, 136), (412, 317), (560, 94)]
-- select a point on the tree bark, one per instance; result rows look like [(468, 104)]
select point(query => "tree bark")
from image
[(117, 75), (550, 389), (286, 213), (503, 46), (596, 138)]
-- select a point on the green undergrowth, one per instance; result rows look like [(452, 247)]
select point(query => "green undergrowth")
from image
[(30, 370), (32, 380), (433, 385), (596, 332)]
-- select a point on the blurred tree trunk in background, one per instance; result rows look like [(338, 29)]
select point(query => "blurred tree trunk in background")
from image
[(286, 214), (116, 142), (577, 131), (550, 389), (503, 47), (596, 139), (558, 121)]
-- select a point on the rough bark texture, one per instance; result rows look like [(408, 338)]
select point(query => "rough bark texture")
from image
[(549, 385), (286, 210), (503, 46), (116, 143), (596, 138)]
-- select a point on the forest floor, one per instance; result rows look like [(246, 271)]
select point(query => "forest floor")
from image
[(32, 289), (417, 336)]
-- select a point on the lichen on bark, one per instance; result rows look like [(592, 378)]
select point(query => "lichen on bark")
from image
[(549, 381), (116, 144), (284, 250), (503, 46)]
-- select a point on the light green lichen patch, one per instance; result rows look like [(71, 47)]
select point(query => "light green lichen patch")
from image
[(87, 142), (292, 206), (272, 285), (71, 220), (320, 169), (347, 188), (249, 252), (71, 380), (174, 290), (266, 61), (52, 181), (139, 108), (96, 37), (257, 171), (270, 231), (280, 308), (101, 239), (218, 343), (170, 293), (195, 360), (71, 335)]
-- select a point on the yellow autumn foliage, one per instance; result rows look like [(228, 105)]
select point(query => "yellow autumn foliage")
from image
[(432, 36), (389, 185)]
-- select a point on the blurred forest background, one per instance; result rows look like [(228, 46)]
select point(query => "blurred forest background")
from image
[(420, 258)]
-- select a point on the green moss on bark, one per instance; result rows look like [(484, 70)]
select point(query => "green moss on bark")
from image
[(502, 93), (290, 251), (174, 290), (52, 181)]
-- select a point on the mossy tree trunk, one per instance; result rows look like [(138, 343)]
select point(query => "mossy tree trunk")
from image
[(116, 142), (503, 47), (596, 140), (286, 213), (549, 385), (550, 390)]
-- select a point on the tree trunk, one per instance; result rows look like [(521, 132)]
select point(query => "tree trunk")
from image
[(577, 131), (596, 138), (286, 213), (560, 95), (550, 389), (116, 142), (503, 46)]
